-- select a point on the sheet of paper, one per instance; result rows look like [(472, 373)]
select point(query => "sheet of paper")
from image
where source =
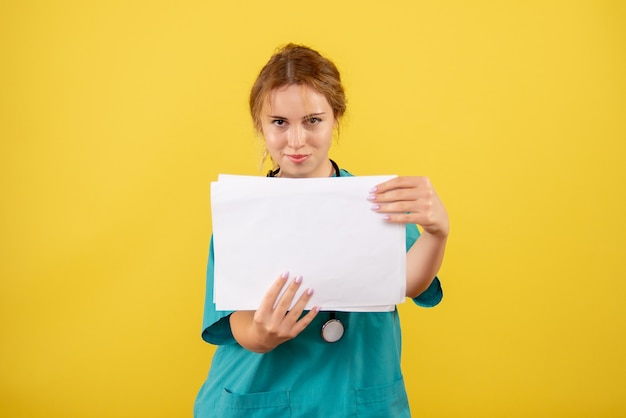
[(321, 228)]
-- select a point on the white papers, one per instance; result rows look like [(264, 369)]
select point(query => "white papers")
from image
[(320, 228)]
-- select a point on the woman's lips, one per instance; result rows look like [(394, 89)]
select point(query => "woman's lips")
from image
[(297, 158)]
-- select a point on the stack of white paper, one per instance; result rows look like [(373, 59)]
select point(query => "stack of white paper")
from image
[(321, 228)]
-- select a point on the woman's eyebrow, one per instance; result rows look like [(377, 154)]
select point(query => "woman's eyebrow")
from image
[(305, 117), (311, 115)]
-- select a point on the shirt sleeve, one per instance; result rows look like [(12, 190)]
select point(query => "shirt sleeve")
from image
[(434, 293), (215, 324)]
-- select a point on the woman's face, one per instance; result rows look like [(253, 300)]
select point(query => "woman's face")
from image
[(297, 123)]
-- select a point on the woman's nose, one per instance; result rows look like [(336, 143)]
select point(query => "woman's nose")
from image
[(297, 137)]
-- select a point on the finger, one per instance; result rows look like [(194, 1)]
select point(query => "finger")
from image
[(415, 192), (399, 183), (403, 218), (286, 299), (394, 195), (394, 183), (305, 320), (400, 207), (299, 306), (424, 219), (267, 304)]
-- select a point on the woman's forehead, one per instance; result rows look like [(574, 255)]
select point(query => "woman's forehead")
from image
[(294, 97)]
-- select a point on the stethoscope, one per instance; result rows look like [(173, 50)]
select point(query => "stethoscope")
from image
[(333, 329)]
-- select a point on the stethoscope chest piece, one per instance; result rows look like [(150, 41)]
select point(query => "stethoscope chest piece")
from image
[(332, 330)]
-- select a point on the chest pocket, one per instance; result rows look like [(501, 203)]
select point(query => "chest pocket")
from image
[(254, 405), (383, 401)]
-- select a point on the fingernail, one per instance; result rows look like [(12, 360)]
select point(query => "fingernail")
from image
[(298, 279), (371, 197), (309, 292), (375, 207), (386, 217), (285, 275), (373, 189), (316, 308)]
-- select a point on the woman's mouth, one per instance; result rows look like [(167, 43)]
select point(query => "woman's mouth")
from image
[(297, 158)]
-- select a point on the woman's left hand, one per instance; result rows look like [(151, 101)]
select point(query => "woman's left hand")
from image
[(411, 200)]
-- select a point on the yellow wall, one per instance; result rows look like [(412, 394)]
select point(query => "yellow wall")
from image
[(115, 116)]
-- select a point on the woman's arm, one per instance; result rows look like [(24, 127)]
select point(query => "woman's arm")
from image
[(413, 200), (273, 323), (423, 261)]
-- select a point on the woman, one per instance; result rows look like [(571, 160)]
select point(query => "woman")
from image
[(317, 364)]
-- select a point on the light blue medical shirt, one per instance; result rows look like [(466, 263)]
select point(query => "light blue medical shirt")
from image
[(357, 376)]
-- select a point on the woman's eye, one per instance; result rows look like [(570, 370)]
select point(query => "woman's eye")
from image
[(314, 121), (279, 122)]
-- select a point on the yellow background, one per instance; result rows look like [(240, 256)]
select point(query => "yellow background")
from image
[(116, 115)]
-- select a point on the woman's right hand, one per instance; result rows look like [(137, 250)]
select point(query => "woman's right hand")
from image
[(273, 323)]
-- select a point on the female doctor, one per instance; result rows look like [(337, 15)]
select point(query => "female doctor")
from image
[(275, 362)]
